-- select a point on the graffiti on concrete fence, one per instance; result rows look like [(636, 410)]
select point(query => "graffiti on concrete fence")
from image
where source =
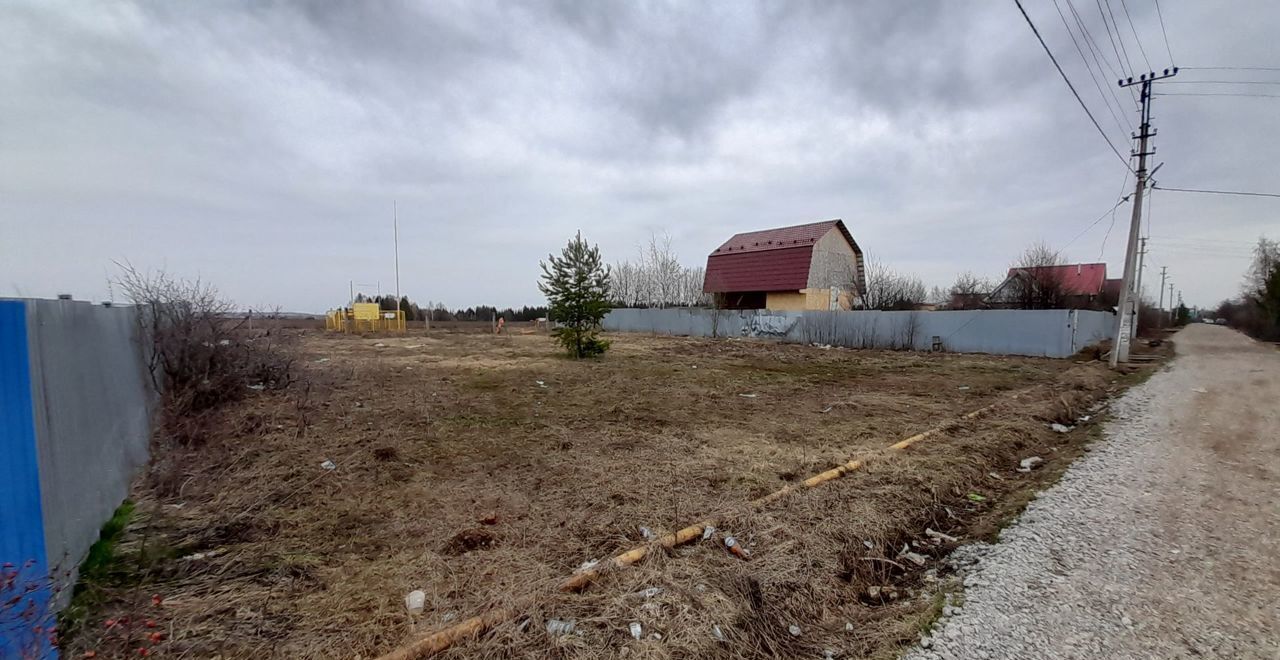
[(769, 325)]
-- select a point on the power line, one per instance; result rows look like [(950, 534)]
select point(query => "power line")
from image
[(1100, 58), (1103, 248), (1120, 62), (1088, 68), (1199, 249), (1264, 96), (1224, 82), (1201, 241), (1069, 85), (1094, 223), (1123, 184), (1166, 34), (1136, 40), (1231, 68), (1220, 192), (1210, 255), (1089, 38), (1192, 249), (1119, 37), (1173, 241)]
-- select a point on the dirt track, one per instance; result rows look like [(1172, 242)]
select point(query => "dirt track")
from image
[(1163, 542)]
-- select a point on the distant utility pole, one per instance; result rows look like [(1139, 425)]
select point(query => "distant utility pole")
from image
[(395, 228), (1171, 300), (1163, 274), (1128, 297), (1137, 306)]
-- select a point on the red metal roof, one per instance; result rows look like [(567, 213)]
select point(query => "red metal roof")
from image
[(759, 270), (1076, 279), (770, 260), (776, 239)]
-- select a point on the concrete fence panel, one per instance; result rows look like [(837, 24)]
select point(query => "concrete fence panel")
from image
[(93, 405), (1042, 333)]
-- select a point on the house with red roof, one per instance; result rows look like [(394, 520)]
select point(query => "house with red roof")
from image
[(811, 266), (1068, 286)]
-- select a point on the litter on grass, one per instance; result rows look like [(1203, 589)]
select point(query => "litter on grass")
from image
[(558, 628), (415, 601)]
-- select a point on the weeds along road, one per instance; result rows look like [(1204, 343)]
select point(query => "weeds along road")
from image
[(1162, 542)]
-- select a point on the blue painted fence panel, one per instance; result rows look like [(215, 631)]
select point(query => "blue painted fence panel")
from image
[(25, 616)]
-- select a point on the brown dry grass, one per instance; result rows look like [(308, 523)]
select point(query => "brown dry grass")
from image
[(458, 473)]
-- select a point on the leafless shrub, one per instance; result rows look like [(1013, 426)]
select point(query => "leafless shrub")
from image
[(201, 354)]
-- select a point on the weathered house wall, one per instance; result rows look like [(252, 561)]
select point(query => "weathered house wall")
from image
[(834, 264)]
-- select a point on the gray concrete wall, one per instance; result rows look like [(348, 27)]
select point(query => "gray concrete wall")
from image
[(93, 403), (1093, 327), (1042, 333)]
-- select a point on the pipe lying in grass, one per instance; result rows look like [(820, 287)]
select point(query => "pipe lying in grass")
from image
[(475, 626), (443, 639), (820, 478), (903, 444), (582, 578)]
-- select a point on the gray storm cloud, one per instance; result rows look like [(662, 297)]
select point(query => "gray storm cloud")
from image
[(260, 145)]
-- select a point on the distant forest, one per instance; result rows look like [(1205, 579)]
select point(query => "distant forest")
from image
[(415, 312)]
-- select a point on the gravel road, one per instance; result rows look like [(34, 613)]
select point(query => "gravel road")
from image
[(1162, 542)]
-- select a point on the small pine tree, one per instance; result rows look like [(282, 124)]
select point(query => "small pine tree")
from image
[(1181, 315), (577, 288)]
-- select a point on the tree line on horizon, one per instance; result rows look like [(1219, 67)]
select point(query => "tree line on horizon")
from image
[(438, 313)]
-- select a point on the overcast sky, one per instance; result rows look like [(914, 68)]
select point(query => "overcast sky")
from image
[(259, 145)]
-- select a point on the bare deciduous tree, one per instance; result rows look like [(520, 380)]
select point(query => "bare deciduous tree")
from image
[(1036, 282), (657, 279), (1266, 259), (888, 289), (968, 291)]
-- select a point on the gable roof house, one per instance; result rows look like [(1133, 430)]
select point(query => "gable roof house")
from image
[(1068, 286), (811, 266)]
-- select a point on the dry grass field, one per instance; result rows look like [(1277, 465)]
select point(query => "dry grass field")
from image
[(485, 469)]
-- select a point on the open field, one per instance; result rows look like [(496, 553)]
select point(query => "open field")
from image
[(483, 470)]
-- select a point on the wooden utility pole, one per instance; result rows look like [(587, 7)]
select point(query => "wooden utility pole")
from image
[(1128, 296)]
